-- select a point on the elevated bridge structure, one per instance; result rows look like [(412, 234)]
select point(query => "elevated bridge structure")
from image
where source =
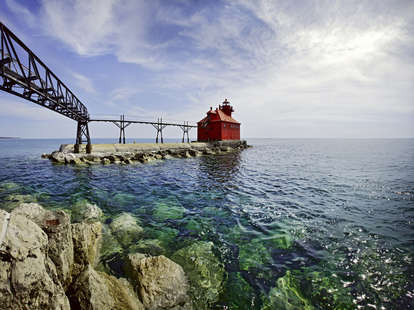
[(159, 126), (23, 74)]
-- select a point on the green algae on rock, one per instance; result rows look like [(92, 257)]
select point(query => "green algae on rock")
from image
[(165, 235), (194, 226), (126, 229), (9, 186), (238, 294), (123, 199), (326, 291), (286, 295), (253, 254), (204, 271), (168, 211)]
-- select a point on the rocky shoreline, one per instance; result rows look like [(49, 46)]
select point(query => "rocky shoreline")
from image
[(141, 152), (50, 260)]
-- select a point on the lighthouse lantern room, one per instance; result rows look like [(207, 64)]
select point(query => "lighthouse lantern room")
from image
[(219, 124)]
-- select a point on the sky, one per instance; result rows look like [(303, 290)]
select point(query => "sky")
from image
[(291, 69)]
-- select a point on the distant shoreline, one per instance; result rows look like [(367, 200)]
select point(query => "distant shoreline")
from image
[(8, 138)]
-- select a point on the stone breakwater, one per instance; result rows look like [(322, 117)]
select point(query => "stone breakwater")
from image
[(141, 152), (52, 260)]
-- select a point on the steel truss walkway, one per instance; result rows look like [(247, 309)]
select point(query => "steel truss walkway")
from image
[(23, 74)]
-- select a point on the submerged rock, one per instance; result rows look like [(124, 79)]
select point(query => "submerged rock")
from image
[(326, 291), (160, 283), (84, 211), (164, 234), (8, 186), (253, 254), (56, 224), (238, 294), (204, 271), (126, 229), (28, 278), (166, 211), (286, 295), (95, 290), (14, 200)]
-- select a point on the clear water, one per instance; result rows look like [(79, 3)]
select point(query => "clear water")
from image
[(337, 214)]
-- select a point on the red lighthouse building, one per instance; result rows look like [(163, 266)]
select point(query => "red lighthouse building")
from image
[(219, 125)]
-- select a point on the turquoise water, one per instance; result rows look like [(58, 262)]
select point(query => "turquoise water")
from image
[(328, 223)]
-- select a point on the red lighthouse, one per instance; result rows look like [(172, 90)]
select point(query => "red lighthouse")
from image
[(219, 125)]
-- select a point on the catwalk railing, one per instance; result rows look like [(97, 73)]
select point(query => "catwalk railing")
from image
[(159, 126)]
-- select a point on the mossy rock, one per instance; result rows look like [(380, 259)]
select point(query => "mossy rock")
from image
[(166, 235), (253, 254), (126, 228), (193, 225), (123, 199), (326, 291), (214, 212), (238, 294), (286, 295), (9, 186), (164, 211), (204, 271)]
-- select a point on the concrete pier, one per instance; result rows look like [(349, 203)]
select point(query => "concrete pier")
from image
[(141, 152)]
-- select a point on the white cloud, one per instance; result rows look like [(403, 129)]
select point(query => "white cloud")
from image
[(84, 83), (21, 11)]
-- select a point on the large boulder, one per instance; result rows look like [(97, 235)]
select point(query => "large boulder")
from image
[(86, 238), (126, 229), (204, 271), (160, 283), (56, 224), (28, 278), (83, 211), (95, 290)]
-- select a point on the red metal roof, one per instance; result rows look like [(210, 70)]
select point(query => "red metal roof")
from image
[(219, 116)]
